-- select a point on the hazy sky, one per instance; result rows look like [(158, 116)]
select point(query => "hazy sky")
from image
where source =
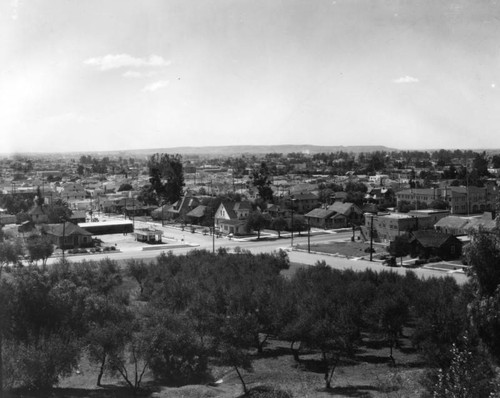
[(80, 75)]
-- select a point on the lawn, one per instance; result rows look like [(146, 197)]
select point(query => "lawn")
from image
[(347, 249)]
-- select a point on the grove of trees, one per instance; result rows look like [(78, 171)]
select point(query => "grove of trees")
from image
[(179, 316)]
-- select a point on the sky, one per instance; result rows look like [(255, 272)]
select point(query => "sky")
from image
[(96, 75)]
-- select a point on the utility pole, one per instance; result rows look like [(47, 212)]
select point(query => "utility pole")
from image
[(371, 239), (213, 231), (64, 236), (308, 236)]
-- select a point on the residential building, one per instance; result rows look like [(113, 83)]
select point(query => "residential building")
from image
[(230, 217)]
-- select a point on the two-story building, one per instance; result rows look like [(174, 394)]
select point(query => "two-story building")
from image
[(230, 217)]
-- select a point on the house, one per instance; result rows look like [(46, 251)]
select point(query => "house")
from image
[(276, 211), (67, 235), (78, 216), (7, 219), (352, 212), (453, 225), (39, 214), (196, 215), (337, 215), (180, 208), (72, 191), (430, 243), (230, 217), (303, 202), (320, 218)]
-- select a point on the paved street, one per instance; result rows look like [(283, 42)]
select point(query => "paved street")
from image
[(181, 242)]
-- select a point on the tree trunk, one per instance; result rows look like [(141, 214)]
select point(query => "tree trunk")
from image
[(260, 344), (1, 363), (245, 390), (295, 352), (329, 374), (391, 345), (101, 370), (326, 370)]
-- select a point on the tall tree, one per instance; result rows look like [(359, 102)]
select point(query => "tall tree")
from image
[(39, 248), (166, 176), (483, 255), (400, 247), (58, 211), (256, 221), (261, 179)]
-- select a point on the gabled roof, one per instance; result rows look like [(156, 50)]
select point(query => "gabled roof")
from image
[(66, 229), (429, 238), (231, 207), (305, 196), (342, 208), (78, 214), (38, 211), (320, 213), (452, 222), (197, 212), (481, 223)]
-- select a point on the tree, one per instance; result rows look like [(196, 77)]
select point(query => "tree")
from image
[(298, 223), (400, 247), (80, 169), (279, 224), (469, 374), (166, 168), (496, 161), (260, 179), (39, 248), (256, 221), (9, 253), (483, 255), (234, 341), (439, 205), (125, 187), (107, 320), (175, 353), (58, 211), (327, 315), (148, 196), (480, 164), (388, 312), (138, 270), (440, 311)]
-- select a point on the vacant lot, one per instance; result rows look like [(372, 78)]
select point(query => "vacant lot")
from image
[(348, 249)]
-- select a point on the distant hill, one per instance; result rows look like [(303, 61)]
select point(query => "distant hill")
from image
[(233, 150)]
